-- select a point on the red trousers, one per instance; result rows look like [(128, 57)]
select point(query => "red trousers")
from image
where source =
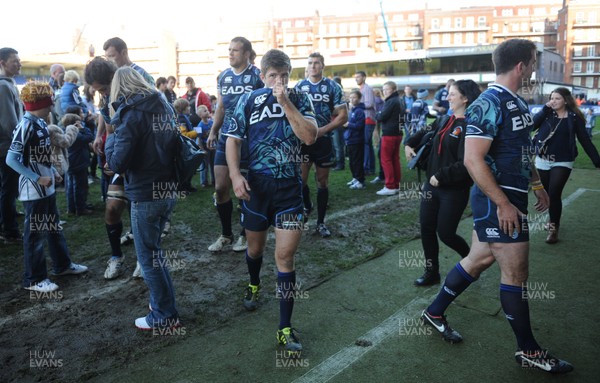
[(390, 160)]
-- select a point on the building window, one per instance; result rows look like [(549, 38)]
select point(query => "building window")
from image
[(435, 39), (514, 27), (562, 68), (539, 11), (458, 38), (589, 68), (447, 23), (577, 67), (435, 23), (523, 12), (446, 39), (592, 17), (591, 50), (416, 31), (577, 81), (537, 27), (413, 17), (524, 27), (481, 21), (470, 22), (470, 38), (495, 27), (481, 37), (589, 82), (458, 22), (507, 12), (579, 18)]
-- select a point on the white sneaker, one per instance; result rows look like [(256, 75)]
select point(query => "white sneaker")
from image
[(137, 273), (357, 185), (166, 229), (114, 268), (353, 181), (241, 244), (220, 243), (386, 191), (376, 180), (127, 238), (73, 269), (142, 324), (44, 286)]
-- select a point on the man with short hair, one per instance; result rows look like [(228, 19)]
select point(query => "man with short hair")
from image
[(368, 98), (169, 92), (440, 100), (11, 112), (274, 121), (116, 51), (498, 133), (57, 74), (241, 78), (332, 113), (195, 97)]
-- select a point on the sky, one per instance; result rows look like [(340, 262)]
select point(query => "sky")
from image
[(48, 26)]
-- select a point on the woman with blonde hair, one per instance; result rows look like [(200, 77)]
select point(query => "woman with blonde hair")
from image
[(142, 148), (560, 123)]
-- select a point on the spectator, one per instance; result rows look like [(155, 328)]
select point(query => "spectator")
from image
[(409, 97), (36, 189), (170, 92), (69, 95), (338, 138), (195, 96), (590, 121), (391, 136), (133, 137), (440, 100), (203, 130), (79, 160), (355, 140), (115, 50), (418, 114), (57, 79), (61, 140), (11, 112), (91, 121), (161, 85), (380, 178), (368, 99), (182, 107)]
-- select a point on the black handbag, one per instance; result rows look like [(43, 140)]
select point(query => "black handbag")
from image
[(188, 157)]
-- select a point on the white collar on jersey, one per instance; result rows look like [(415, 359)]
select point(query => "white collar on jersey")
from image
[(495, 84), (237, 74)]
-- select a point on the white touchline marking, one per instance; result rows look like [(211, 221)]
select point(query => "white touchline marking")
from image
[(341, 360)]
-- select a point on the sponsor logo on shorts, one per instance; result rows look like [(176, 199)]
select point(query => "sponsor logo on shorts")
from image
[(492, 232)]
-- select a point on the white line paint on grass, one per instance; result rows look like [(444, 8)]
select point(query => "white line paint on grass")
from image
[(338, 362)]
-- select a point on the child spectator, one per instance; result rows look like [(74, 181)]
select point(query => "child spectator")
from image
[(355, 140), (79, 160), (203, 130), (29, 155), (182, 107), (418, 113), (61, 140), (69, 95)]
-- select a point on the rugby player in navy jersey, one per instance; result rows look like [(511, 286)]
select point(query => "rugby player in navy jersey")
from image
[(232, 83), (275, 122), (328, 99), (496, 146)]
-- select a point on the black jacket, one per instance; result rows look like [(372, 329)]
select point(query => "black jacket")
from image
[(562, 146), (142, 148), (392, 115), (445, 162)]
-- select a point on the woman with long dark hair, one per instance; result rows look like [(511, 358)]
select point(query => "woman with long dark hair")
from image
[(446, 191), (559, 123)]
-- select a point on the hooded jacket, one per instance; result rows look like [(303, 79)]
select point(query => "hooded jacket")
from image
[(142, 148), (355, 133), (70, 96), (11, 112), (391, 115)]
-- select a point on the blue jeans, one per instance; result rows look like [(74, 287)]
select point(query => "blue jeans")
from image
[(338, 147), (77, 187), (369, 163), (9, 190), (41, 224), (147, 223)]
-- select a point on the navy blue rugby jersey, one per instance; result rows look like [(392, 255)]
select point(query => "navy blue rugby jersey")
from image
[(232, 86), (503, 117), (326, 95), (274, 150)]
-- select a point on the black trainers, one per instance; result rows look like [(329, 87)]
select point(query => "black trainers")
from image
[(323, 230), (441, 324), (544, 361), (251, 298), (429, 278), (287, 337)]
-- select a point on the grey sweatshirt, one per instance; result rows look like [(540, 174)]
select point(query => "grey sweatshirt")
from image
[(11, 112)]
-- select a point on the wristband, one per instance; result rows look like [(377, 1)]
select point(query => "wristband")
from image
[(536, 183), (537, 187)]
